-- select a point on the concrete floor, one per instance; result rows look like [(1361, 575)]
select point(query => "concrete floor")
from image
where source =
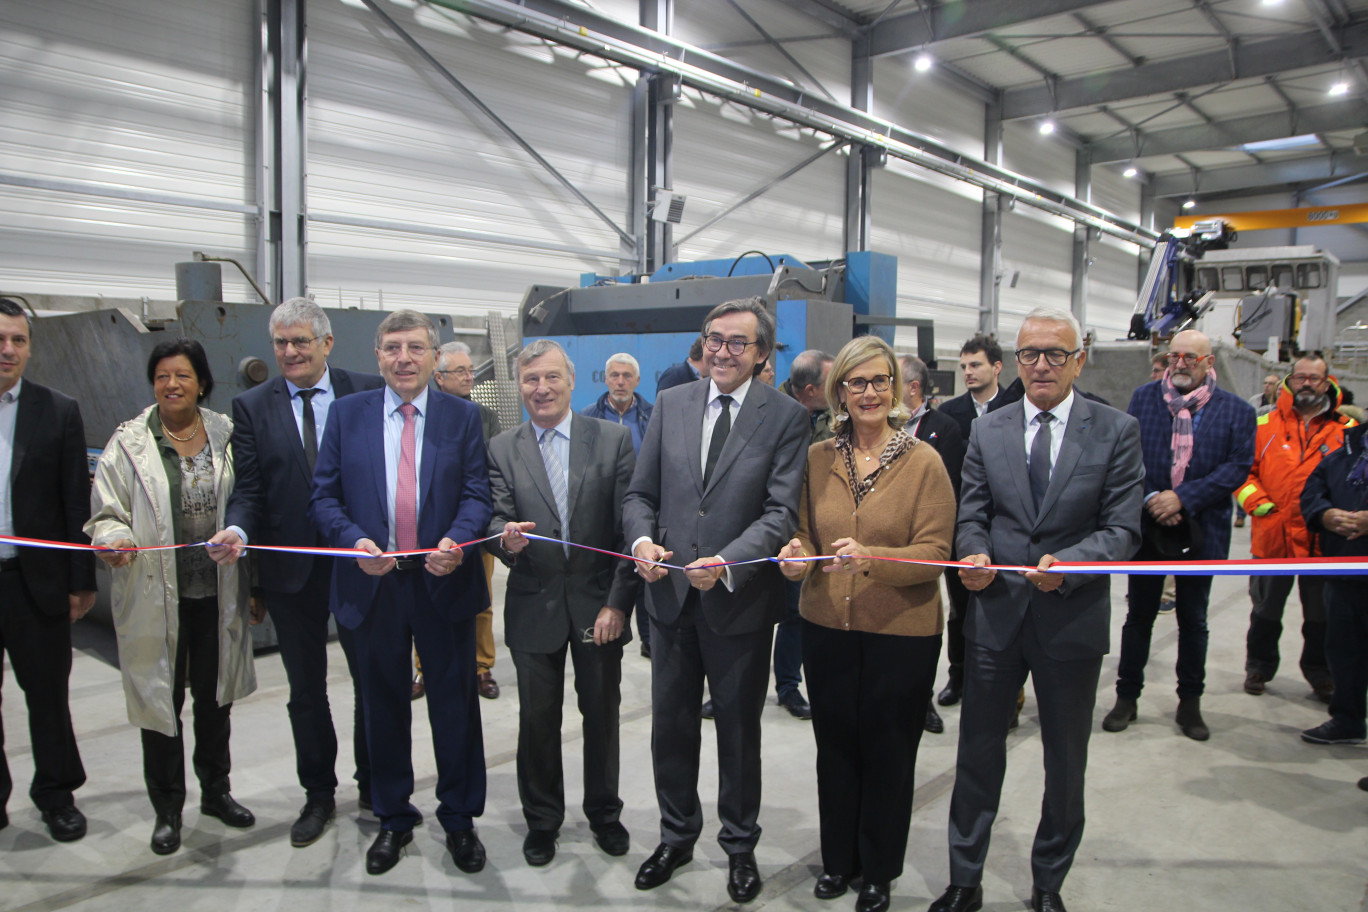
[(1253, 819)]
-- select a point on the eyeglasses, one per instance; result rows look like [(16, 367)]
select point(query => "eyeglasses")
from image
[(1055, 357), (714, 343), (458, 371), (857, 385), (1185, 358), (1301, 379), (395, 349), (300, 343)]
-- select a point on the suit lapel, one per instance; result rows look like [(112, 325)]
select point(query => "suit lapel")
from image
[(529, 453), (375, 419), (1013, 443), (1075, 441), (282, 412), (434, 424), (582, 434), (694, 409), (341, 382), (750, 416), (25, 426)]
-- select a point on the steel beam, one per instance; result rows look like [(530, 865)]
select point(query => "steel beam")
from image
[(828, 13), (858, 215), (990, 226), (1247, 59), (1082, 238), (1252, 177), (287, 91), (962, 19), (783, 51), (657, 16), (1146, 218)]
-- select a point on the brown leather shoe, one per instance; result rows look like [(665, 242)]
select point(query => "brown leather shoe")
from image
[(419, 689), (489, 688), (1254, 683)]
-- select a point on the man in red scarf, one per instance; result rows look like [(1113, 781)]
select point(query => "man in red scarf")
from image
[(1198, 443)]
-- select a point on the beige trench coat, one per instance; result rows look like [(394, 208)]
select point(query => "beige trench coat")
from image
[(131, 499)]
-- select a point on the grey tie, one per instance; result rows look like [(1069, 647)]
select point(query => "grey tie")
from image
[(1040, 459), (556, 473)]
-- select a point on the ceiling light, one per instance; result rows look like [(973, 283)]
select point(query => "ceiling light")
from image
[(1272, 2), (923, 63), (1340, 88), (1304, 141), (1131, 171), (1189, 204), (1046, 127)]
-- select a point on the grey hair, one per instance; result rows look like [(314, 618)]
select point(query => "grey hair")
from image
[(621, 358), (807, 368), (915, 368), (454, 348), (404, 320), (764, 322), (293, 311), (1056, 315), (535, 349)]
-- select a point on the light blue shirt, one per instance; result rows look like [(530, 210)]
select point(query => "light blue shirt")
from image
[(560, 443), (9, 407), (394, 441), (322, 401)]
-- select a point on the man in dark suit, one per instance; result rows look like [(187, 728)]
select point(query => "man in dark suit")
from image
[(687, 371), (563, 475), (724, 488), (277, 427), (401, 470), (1198, 443), (1054, 477), (44, 493)]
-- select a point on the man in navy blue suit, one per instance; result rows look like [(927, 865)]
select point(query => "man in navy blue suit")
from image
[(1198, 442), (277, 427), (400, 470)]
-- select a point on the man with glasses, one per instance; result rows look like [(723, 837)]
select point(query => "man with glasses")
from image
[(455, 375), (1290, 442), (563, 476), (718, 480), (1053, 477), (277, 427), (1198, 443), (403, 470)]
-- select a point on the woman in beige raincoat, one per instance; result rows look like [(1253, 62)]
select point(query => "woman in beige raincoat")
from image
[(164, 478)]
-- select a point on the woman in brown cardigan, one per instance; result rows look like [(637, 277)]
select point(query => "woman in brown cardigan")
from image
[(871, 628)]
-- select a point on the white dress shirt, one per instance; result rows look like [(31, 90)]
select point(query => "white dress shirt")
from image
[(1061, 421), (322, 401)]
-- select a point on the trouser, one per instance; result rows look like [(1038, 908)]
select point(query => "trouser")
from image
[(1269, 595), (1346, 647), (301, 624), (541, 695), (954, 624), (484, 625), (1192, 594), (39, 647), (788, 642), (197, 663), (869, 695)]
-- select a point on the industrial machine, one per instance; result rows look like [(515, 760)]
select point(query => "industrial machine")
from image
[(1173, 297), (1277, 301)]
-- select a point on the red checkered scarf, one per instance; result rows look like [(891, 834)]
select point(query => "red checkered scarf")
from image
[(1181, 408)]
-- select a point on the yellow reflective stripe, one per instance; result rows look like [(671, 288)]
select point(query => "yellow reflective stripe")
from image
[(1263, 419), (1243, 494)]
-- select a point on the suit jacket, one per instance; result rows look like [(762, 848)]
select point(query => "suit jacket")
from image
[(50, 496), (1091, 512), (1222, 452), (552, 596), (271, 499), (749, 509), (943, 433), (961, 408), (350, 501), (675, 375)]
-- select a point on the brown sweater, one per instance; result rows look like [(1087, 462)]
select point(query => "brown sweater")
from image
[(909, 513)]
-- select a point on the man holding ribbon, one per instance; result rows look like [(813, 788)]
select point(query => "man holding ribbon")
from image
[(1052, 477), (1198, 443), (717, 481), (403, 470), (564, 476)]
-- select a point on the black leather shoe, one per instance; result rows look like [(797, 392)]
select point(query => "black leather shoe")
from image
[(1189, 719), (468, 852), (959, 899), (313, 820), (951, 693), (166, 834), (65, 824), (934, 723), (1120, 717), (226, 809), (743, 877), (873, 897), (385, 851), (796, 704), (1255, 683), (612, 838), (830, 886), (1046, 902), (539, 847), (707, 710), (658, 869)]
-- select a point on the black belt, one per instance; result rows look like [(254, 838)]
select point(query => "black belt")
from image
[(9, 565), (406, 564)]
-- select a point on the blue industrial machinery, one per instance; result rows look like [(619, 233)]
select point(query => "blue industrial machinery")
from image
[(1172, 299), (656, 318)]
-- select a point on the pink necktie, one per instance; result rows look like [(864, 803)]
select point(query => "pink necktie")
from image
[(406, 486)]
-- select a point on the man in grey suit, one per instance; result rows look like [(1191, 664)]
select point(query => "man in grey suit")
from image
[(722, 487), (563, 475), (1063, 484)]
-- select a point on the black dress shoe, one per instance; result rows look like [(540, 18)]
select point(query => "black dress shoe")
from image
[(743, 877), (796, 704), (934, 723), (830, 886), (385, 851), (313, 820), (1046, 902), (873, 897), (1189, 719), (65, 824), (707, 710), (468, 852), (539, 847), (959, 899), (951, 693), (1121, 715), (612, 838), (226, 809), (658, 869), (166, 834)]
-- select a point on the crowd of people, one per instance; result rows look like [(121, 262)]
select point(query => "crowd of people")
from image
[(771, 528)]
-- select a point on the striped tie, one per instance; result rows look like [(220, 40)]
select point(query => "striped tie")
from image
[(556, 473)]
